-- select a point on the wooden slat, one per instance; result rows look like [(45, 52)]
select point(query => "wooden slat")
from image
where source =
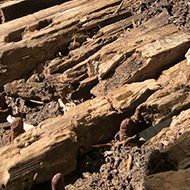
[(11, 10)]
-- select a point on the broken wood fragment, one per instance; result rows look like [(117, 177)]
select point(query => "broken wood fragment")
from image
[(16, 128), (129, 162), (168, 101), (31, 21), (167, 136), (83, 91), (146, 62), (177, 155), (51, 88)]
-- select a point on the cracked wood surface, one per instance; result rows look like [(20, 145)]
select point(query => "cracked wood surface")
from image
[(170, 100), (54, 143), (106, 61), (11, 10), (177, 153), (34, 46)]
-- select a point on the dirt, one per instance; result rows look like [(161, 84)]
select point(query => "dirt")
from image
[(124, 168), (33, 113), (179, 11), (117, 167)]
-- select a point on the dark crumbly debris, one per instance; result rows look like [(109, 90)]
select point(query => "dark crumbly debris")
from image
[(179, 11), (124, 168)]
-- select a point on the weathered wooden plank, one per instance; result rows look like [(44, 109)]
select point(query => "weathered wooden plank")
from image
[(14, 9), (17, 26), (52, 146)]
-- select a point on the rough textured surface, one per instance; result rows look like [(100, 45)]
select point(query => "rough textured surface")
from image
[(4, 110), (178, 126), (171, 180), (41, 45), (93, 121), (81, 71), (123, 169), (168, 101), (12, 10), (58, 182)]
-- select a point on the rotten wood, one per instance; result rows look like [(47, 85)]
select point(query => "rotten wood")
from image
[(33, 47), (168, 180), (98, 64), (31, 22), (167, 136), (177, 155), (53, 87), (146, 62), (104, 60), (4, 110), (168, 101), (14, 9), (53, 145)]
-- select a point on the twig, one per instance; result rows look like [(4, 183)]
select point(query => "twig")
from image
[(119, 7), (116, 143)]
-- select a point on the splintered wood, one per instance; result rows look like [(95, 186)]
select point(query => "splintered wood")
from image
[(81, 51)]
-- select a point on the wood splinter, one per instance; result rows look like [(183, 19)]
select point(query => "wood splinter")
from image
[(119, 7)]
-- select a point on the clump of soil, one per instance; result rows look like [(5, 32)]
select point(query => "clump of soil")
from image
[(33, 113), (179, 11), (124, 168)]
